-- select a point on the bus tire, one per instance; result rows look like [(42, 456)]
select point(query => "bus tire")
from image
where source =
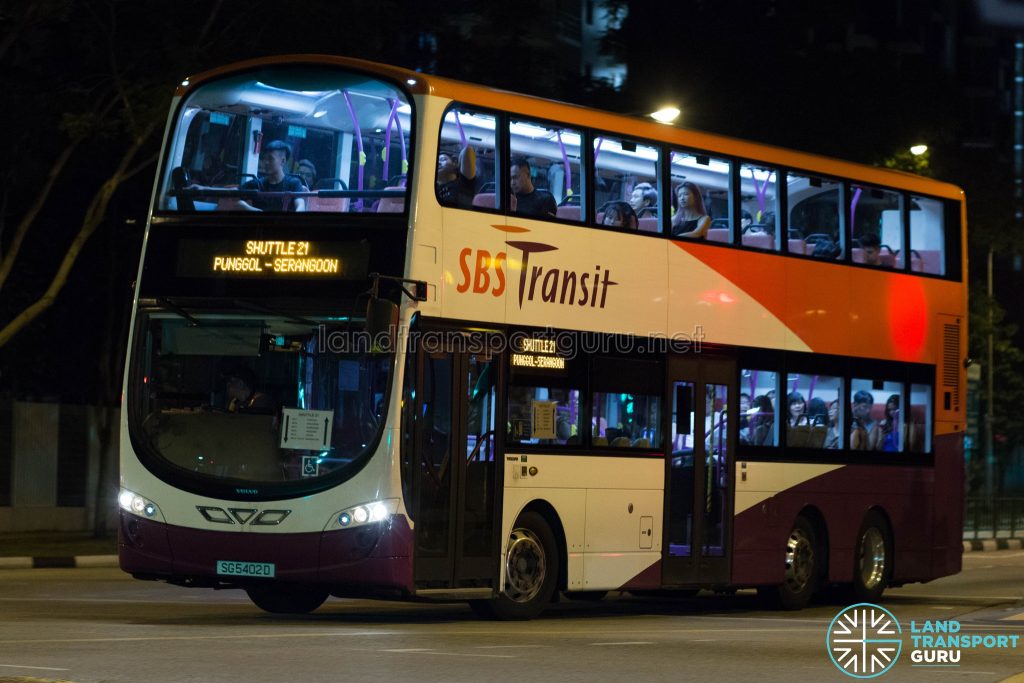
[(531, 571), (803, 569), (872, 558), (286, 598)]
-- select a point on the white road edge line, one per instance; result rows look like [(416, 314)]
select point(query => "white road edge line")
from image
[(39, 668)]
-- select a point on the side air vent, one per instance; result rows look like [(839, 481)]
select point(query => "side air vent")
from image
[(951, 371)]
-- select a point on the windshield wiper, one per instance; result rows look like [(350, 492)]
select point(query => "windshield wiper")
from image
[(260, 308), (164, 302)]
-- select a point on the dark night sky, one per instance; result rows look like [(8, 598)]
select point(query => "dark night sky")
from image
[(841, 78)]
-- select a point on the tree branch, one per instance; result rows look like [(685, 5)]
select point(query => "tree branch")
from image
[(94, 215)]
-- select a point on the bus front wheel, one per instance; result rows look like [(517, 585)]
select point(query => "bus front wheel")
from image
[(802, 569), (286, 599), (531, 571), (872, 558)]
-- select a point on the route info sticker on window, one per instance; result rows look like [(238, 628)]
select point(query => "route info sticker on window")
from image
[(306, 429)]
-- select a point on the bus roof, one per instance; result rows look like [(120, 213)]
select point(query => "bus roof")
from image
[(629, 126)]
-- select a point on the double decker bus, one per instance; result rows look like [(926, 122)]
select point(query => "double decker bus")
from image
[(374, 385)]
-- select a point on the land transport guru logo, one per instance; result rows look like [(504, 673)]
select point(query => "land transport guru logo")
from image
[(864, 640), (483, 272)]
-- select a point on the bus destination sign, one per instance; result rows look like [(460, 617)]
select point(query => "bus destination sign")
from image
[(537, 354), (273, 259)]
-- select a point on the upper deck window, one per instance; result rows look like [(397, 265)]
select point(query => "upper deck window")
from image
[(290, 138)]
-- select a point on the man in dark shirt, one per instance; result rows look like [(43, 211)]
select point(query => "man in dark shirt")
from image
[(274, 159), (529, 200), (456, 177)]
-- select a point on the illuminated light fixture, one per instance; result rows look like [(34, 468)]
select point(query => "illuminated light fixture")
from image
[(666, 114), (411, 81), (129, 501), (918, 150), (360, 514), (184, 83), (367, 513), (320, 113)]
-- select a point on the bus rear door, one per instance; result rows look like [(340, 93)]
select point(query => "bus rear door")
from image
[(699, 462)]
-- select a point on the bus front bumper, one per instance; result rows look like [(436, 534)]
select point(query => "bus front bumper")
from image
[(370, 558)]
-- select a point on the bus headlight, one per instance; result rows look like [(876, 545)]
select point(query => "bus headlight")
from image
[(137, 505), (367, 513)]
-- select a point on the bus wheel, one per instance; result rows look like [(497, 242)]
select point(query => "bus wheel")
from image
[(531, 571), (872, 559), (802, 569), (287, 599)]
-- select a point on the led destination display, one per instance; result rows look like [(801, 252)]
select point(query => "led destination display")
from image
[(272, 259)]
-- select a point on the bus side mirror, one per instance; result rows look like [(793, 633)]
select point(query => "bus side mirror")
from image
[(382, 321)]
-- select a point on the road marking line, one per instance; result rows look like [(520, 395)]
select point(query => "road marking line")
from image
[(499, 647), (628, 642), (411, 649), (942, 607), (40, 668), (428, 651)]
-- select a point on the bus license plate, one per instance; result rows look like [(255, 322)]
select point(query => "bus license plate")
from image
[(263, 570)]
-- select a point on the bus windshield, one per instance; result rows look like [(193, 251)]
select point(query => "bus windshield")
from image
[(254, 399), (290, 138)]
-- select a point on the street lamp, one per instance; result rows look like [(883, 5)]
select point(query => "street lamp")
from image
[(665, 114), (918, 150)]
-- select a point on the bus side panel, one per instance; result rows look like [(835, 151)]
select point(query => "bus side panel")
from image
[(948, 518), (843, 497)]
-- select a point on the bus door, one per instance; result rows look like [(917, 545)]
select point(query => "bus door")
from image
[(699, 462), (454, 468)]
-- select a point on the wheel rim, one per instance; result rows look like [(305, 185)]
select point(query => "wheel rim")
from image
[(872, 558), (799, 560), (525, 566)]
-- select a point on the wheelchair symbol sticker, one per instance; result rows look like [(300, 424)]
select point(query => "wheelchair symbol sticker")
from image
[(310, 466)]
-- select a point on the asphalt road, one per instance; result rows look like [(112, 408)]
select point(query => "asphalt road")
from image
[(89, 625)]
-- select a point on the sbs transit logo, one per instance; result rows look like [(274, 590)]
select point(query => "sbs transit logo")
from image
[(864, 640)]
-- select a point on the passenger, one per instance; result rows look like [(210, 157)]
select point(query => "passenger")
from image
[(529, 200), (456, 177), (744, 411), (243, 396), (817, 413), (862, 423), (872, 247), (885, 436), (619, 215), (273, 160), (827, 249), (746, 220), (832, 436), (691, 218), (797, 407), (307, 171), (644, 200), (762, 423)]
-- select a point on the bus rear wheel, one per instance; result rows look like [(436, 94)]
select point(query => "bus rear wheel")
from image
[(803, 567), (872, 558), (531, 571), (286, 599)]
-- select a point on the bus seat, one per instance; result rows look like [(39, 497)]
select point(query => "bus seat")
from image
[(642, 442), (327, 204), (798, 437), (718, 234), (888, 259), (858, 255), (391, 204), (600, 217), (649, 224), (484, 200), (816, 439), (796, 246), (568, 213), (759, 240), (600, 441), (931, 261), (621, 442)]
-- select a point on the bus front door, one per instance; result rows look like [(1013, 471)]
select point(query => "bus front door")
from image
[(454, 470), (699, 462)]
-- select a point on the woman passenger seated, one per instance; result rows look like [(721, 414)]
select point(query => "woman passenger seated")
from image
[(619, 215), (691, 219)]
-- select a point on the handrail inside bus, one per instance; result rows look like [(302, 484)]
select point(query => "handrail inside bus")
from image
[(238, 192)]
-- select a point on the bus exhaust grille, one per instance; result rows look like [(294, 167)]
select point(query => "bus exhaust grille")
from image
[(951, 361)]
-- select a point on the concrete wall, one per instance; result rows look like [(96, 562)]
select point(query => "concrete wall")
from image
[(50, 456)]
